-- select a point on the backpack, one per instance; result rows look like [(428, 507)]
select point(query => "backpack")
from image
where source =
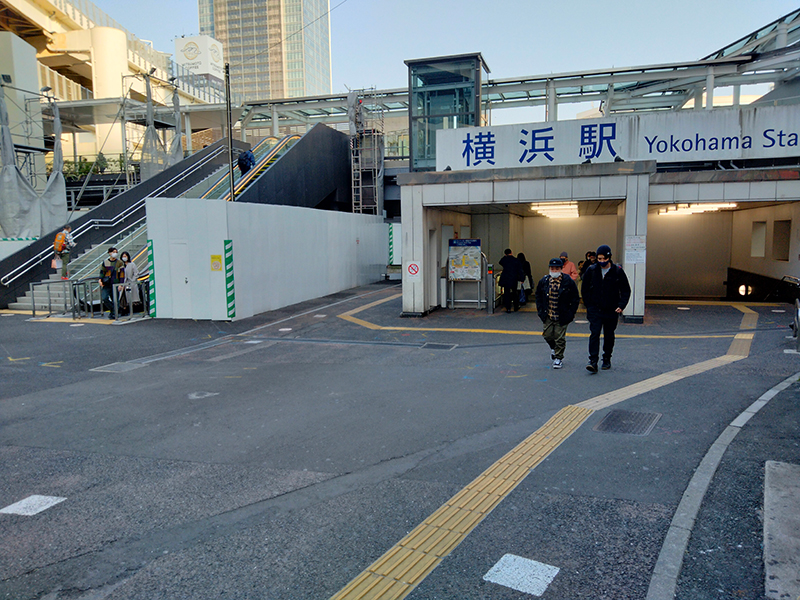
[(60, 242), (242, 161)]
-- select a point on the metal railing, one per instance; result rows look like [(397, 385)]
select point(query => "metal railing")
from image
[(83, 228), (80, 298)]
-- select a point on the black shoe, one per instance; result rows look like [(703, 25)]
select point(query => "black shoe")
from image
[(552, 354), (606, 364), (592, 367)]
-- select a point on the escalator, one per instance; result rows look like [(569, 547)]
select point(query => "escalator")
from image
[(265, 157), (220, 180)]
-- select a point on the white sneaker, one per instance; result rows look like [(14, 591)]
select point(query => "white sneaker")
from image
[(558, 363)]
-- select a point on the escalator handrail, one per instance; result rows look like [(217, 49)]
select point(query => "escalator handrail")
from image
[(259, 168), (224, 177)]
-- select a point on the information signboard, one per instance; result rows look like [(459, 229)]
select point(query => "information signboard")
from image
[(464, 260)]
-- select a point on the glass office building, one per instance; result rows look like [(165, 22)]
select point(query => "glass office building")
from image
[(276, 48)]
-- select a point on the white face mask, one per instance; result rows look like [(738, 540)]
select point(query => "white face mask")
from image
[(113, 255), (124, 259), (555, 273)]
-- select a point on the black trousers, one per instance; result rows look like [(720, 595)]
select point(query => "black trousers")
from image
[(605, 323), (511, 296)]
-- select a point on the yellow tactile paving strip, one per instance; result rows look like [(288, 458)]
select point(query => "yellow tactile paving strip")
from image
[(349, 316), (403, 567), (395, 574)]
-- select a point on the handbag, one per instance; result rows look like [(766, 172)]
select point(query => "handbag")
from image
[(522, 298)]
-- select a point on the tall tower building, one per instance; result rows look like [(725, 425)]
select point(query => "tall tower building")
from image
[(276, 48)]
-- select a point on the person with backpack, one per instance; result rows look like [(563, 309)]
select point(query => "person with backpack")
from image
[(112, 272), (61, 246), (605, 293), (246, 161)]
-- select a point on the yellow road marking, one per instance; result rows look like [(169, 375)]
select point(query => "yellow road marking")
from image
[(56, 365), (348, 316), (16, 359), (396, 573)]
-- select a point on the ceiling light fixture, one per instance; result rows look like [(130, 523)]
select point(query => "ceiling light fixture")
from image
[(692, 209), (556, 210)]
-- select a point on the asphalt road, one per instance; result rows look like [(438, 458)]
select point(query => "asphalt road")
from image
[(278, 457)]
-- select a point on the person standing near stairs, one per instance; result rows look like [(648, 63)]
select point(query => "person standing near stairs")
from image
[(62, 245), (112, 272)]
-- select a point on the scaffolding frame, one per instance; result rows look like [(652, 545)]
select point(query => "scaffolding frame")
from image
[(366, 151)]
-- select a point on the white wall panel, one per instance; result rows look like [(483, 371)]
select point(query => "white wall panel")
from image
[(282, 254)]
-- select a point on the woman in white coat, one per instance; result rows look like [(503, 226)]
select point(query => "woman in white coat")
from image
[(131, 283)]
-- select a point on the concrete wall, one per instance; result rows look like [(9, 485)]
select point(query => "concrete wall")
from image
[(742, 234), (688, 255), (547, 238), (281, 255)]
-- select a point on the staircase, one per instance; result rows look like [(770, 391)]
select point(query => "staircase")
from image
[(52, 295)]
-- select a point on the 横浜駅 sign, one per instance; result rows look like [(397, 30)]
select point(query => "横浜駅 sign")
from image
[(683, 136)]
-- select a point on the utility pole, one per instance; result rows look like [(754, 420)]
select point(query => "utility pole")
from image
[(229, 125)]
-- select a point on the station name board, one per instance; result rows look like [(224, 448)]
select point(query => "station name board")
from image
[(683, 136)]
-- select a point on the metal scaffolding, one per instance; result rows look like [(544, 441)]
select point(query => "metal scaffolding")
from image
[(365, 115)]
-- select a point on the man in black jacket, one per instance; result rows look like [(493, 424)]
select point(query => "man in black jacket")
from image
[(511, 275), (605, 292), (556, 302)]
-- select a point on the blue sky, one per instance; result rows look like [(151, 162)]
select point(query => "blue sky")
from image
[(371, 38)]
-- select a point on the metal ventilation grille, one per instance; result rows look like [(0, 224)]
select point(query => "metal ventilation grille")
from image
[(625, 421)]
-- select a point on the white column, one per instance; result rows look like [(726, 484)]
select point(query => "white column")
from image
[(710, 89), (413, 243), (274, 121), (633, 218), (552, 105), (187, 127), (737, 95)]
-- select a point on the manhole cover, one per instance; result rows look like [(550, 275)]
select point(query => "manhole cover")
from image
[(435, 346), (625, 421)]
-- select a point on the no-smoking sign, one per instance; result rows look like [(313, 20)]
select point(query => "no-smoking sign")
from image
[(412, 271)]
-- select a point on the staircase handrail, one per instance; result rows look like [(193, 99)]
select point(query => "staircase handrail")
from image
[(134, 230), (112, 222)]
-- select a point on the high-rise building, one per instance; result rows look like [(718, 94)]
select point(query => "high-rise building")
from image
[(276, 48)]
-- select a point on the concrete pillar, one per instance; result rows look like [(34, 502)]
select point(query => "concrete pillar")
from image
[(274, 121), (187, 127), (782, 39), (414, 242), (109, 51), (737, 95), (710, 89), (552, 105), (631, 252)]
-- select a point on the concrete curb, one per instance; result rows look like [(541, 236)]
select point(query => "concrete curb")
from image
[(670, 560)]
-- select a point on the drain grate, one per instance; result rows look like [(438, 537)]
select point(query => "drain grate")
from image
[(625, 421), (435, 346)]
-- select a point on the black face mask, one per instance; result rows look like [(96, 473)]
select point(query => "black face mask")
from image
[(603, 263)]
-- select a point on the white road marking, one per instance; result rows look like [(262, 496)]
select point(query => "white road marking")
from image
[(285, 329), (31, 505), (320, 316), (684, 308), (201, 395), (522, 574)]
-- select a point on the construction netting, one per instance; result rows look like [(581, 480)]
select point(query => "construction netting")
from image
[(154, 157), (19, 203), (53, 201)]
